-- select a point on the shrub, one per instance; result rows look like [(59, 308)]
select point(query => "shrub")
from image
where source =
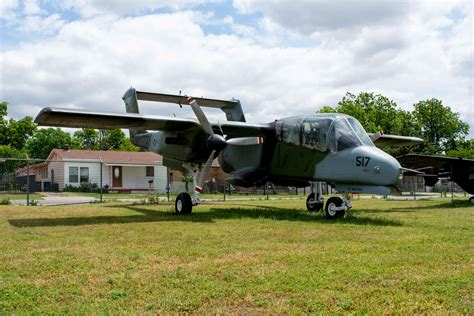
[(85, 187)]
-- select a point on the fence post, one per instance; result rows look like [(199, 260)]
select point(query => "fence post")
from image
[(27, 180), (168, 184), (100, 180), (224, 189), (414, 188)]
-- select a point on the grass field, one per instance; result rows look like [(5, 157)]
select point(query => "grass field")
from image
[(239, 257), (19, 196)]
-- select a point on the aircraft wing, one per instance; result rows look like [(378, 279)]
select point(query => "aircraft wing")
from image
[(461, 170), (396, 140), (61, 117), (102, 120)]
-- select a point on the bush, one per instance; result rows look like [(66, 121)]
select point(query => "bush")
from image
[(85, 187), (5, 202)]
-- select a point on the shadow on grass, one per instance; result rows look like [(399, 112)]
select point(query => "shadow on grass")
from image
[(444, 205), (243, 211)]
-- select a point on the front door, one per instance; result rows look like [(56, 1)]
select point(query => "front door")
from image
[(117, 176)]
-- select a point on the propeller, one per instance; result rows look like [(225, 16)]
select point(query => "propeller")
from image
[(215, 142)]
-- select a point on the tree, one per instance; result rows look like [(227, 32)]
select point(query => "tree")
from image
[(441, 128), (374, 111), (9, 166), (115, 139), (465, 150), (88, 138), (15, 133), (45, 140)]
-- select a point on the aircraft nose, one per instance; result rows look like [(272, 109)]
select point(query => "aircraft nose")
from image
[(386, 168)]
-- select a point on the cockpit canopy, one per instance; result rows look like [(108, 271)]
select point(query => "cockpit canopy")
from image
[(323, 132)]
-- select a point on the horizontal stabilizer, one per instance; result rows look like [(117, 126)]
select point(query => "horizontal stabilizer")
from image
[(181, 99), (231, 108)]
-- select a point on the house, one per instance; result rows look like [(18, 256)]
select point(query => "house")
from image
[(117, 171)]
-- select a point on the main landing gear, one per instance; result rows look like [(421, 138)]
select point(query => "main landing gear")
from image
[(335, 207), (184, 201)]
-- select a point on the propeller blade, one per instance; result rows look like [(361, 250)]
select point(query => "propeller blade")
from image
[(200, 116), (205, 171), (244, 141)]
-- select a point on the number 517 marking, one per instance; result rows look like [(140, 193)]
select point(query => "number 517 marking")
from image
[(362, 161)]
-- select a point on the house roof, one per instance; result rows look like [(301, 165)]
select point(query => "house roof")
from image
[(32, 167), (108, 156)]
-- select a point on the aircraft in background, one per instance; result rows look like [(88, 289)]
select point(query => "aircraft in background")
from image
[(459, 170), (292, 151)]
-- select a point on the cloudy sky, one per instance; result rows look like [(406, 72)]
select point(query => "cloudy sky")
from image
[(280, 58)]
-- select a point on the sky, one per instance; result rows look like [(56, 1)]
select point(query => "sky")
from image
[(279, 58)]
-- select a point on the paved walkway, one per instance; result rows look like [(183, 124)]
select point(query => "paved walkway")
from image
[(57, 199)]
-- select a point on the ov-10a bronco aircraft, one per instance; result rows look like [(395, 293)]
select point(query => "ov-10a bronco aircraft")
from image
[(293, 151)]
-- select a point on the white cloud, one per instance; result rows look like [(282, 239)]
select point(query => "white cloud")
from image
[(309, 16), (89, 63), (7, 10), (90, 8), (31, 7), (46, 25)]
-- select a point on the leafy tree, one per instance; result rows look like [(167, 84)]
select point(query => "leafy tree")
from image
[(15, 133), (9, 166), (88, 138), (466, 150), (374, 111), (441, 128), (45, 140), (113, 139)]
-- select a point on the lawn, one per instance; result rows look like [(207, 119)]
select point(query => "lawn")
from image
[(238, 257), (20, 196)]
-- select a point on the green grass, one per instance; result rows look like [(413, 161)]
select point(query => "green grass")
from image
[(240, 257), (20, 196)]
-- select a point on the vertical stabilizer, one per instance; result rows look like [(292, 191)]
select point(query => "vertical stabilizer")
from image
[(131, 106)]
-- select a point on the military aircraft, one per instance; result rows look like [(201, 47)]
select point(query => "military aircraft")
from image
[(459, 170), (290, 151)]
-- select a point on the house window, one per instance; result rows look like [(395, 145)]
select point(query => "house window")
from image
[(73, 174), (150, 171), (84, 174)]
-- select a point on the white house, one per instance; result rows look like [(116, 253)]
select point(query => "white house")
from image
[(121, 171)]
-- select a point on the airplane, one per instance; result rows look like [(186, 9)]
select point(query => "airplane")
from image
[(459, 170), (291, 151)]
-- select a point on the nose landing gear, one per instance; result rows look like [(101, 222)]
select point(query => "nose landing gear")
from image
[(335, 207)]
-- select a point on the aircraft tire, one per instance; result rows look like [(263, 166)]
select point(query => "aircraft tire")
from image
[(333, 201), (471, 199), (183, 204), (311, 206)]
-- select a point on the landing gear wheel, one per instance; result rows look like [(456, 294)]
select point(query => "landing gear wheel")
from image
[(183, 204), (332, 203), (312, 203), (471, 199)]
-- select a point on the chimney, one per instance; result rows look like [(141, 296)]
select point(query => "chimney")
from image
[(66, 147)]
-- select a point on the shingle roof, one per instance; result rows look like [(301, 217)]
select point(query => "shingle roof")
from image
[(109, 157)]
